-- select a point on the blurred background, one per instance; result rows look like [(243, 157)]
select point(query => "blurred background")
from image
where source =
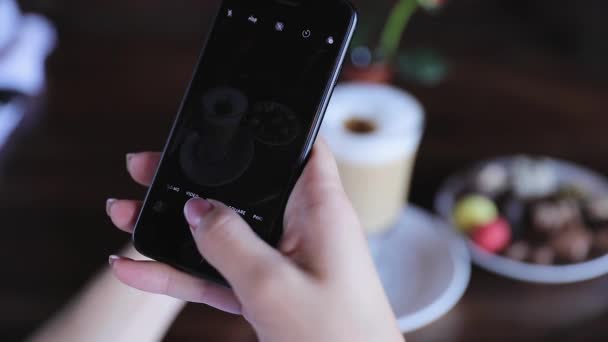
[(518, 76)]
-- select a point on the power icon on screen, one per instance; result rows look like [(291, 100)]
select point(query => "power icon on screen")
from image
[(306, 33)]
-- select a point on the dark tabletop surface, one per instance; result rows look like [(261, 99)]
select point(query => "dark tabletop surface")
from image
[(110, 93)]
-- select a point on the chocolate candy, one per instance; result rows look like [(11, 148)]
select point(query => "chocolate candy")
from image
[(571, 191), (519, 251), (493, 237), (492, 179), (572, 245), (597, 211), (543, 255), (533, 178), (473, 211), (600, 241), (551, 217)]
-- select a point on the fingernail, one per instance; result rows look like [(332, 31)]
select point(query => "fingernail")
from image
[(113, 258), (195, 209), (109, 204), (129, 157)]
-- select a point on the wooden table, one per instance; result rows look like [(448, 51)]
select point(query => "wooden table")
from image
[(109, 95)]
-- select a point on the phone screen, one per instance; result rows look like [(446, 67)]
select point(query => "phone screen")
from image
[(253, 106)]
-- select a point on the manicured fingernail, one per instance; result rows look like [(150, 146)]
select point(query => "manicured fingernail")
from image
[(113, 258), (109, 204), (195, 209)]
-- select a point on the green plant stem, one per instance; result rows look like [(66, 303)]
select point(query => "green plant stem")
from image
[(392, 33)]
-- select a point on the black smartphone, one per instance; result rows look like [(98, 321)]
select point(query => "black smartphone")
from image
[(248, 121)]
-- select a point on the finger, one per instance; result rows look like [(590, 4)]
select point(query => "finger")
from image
[(154, 277), (322, 163), (226, 241), (320, 180), (142, 166), (123, 213), (317, 191), (320, 223)]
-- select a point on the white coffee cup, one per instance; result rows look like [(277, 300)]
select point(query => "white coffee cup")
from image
[(374, 131)]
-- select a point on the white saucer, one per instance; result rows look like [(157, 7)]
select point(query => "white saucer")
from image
[(424, 267)]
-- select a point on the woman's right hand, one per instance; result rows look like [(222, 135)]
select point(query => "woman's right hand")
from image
[(319, 285)]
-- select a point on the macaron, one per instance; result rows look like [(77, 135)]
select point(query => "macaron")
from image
[(474, 211), (494, 237)]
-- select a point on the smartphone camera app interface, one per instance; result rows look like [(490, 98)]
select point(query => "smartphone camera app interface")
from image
[(245, 121)]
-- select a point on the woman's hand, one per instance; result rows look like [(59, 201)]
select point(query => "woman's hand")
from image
[(320, 285)]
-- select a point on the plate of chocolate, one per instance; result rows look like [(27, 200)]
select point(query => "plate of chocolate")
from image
[(534, 219)]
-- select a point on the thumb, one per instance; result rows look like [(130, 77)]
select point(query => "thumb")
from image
[(227, 242)]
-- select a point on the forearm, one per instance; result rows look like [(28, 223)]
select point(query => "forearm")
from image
[(107, 310)]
